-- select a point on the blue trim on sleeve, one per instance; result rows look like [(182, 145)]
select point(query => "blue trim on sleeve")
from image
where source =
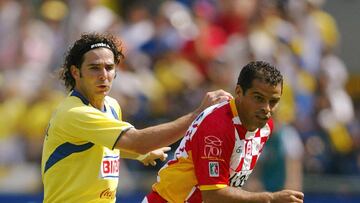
[(64, 151)]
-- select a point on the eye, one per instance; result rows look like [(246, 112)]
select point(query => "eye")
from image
[(109, 67), (259, 98), (273, 102), (94, 67)]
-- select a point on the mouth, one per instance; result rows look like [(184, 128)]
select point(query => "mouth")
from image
[(102, 86), (263, 117)]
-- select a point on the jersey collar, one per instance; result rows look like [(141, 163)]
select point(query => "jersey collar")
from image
[(80, 96), (83, 99)]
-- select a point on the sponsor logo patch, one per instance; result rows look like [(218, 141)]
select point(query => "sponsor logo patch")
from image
[(110, 167), (214, 169), (212, 147), (108, 194)]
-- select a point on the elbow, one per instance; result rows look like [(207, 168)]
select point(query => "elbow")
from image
[(209, 196), (209, 200)]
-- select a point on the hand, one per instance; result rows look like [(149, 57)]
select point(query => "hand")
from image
[(156, 154), (286, 196), (212, 98)]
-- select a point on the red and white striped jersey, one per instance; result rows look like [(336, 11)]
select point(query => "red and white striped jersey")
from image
[(216, 152)]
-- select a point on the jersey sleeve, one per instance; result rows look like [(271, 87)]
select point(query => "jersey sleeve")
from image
[(212, 146), (92, 125)]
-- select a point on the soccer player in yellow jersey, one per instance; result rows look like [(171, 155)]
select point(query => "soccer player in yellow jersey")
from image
[(86, 135)]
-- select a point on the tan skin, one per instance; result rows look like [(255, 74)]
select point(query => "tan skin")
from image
[(254, 108), (258, 104), (94, 80)]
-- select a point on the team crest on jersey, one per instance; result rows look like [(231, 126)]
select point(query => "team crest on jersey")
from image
[(110, 167), (214, 169)]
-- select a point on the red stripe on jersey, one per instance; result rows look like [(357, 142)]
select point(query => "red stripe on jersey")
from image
[(263, 139), (257, 134), (241, 130), (240, 165), (172, 161), (271, 125), (195, 197), (154, 197), (253, 161)]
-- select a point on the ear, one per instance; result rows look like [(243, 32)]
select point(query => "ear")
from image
[(75, 72), (238, 91)]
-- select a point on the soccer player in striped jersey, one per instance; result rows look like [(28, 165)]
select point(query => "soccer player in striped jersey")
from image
[(80, 160), (222, 145)]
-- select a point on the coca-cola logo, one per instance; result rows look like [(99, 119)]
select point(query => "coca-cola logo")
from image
[(108, 194)]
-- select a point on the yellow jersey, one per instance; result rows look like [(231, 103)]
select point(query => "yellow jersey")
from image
[(79, 162)]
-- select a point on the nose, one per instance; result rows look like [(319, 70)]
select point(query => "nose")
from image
[(102, 74), (266, 108)]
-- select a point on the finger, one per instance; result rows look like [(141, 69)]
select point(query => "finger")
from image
[(222, 93), (165, 149), (295, 199), (145, 163), (163, 158), (299, 195), (222, 99), (153, 163)]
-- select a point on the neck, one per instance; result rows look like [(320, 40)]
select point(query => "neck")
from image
[(99, 104), (95, 101), (242, 117)]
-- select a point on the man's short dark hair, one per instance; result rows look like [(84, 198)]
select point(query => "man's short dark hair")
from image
[(259, 70), (87, 42)]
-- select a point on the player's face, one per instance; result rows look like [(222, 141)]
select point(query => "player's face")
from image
[(95, 77), (257, 105)]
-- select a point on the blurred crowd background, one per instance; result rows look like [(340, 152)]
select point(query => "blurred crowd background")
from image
[(175, 52)]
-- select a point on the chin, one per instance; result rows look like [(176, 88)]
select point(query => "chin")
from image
[(262, 123), (102, 93)]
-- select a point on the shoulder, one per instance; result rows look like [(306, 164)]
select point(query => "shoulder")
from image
[(216, 121), (218, 116), (73, 109)]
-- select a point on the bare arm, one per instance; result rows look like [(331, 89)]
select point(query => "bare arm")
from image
[(148, 158), (145, 140), (232, 194), (294, 174)]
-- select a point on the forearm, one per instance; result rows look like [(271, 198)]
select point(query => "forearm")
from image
[(148, 139), (151, 138), (294, 174), (130, 155), (232, 194)]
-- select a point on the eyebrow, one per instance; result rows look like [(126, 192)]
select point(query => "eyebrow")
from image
[(260, 94), (97, 64)]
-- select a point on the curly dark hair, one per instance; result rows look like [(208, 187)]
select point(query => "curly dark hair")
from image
[(260, 70), (75, 54)]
